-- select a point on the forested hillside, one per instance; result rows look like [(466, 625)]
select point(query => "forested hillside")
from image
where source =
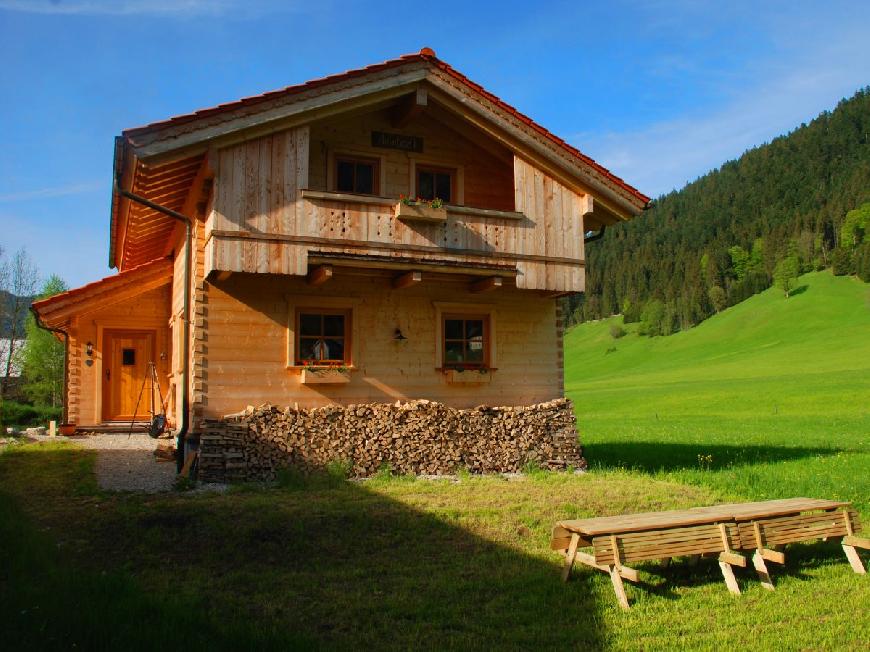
[(719, 239)]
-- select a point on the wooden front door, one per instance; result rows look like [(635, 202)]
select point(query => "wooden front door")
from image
[(126, 355)]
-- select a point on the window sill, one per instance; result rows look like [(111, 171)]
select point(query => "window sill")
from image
[(467, 376), (323, 376)]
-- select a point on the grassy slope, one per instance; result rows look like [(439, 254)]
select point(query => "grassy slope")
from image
[(776, 390)]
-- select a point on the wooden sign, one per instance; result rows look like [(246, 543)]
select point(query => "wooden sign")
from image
[(397, 141)]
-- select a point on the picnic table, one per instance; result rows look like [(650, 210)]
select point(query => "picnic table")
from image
[(724, 531)]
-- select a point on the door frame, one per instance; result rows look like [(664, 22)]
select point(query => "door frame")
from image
[(107, 335)]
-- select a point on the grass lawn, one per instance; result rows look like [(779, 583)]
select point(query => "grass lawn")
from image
[(402, 563)]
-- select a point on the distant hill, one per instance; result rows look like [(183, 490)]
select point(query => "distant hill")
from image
[(790, 195), (823, 328)]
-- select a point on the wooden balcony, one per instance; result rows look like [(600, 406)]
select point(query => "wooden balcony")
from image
[(542, 246)]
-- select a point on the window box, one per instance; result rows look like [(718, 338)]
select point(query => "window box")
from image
[(467, 376), (325, 376), (420, 213)]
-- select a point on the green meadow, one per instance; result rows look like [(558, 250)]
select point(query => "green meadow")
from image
[(768, 399)]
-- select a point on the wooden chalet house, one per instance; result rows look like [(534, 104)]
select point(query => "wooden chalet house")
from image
[(264, 252)]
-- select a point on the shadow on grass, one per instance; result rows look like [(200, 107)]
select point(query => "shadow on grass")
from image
[(798, 290), (654, 456), (801, 560), (330, 565)]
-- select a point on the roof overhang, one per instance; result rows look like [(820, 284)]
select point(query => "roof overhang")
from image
[(57, 311)]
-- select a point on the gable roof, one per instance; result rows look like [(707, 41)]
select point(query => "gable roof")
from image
[(189, 135), (55, 311), (426, 55)]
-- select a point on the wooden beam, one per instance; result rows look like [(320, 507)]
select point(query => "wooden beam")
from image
[(407, 279), (451, 121), (486, 284), (320, 275), (409, 107), (223, 276), (625, 572), (546, 155), (281, 113)]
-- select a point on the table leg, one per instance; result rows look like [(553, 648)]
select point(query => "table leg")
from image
[(730, 580), (570, 556), (849, 542), (761, 569), (618, 587), (854, 559)]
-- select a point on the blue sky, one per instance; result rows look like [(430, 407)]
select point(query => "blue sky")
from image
[(660, 92)]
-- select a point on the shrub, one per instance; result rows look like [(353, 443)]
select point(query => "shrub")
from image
[(657, 319), (841, 262), (786, 274), (616, 331), (339, 469), (17, 414), (862, 262), (718, 298)]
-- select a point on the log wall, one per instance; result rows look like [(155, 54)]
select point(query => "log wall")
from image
[(419, 437), (247, 355)]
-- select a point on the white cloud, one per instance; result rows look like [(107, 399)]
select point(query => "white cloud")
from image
[(57, 191), (812, 68)]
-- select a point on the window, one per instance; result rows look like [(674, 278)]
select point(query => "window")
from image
[(357, 175), (435, 182), (466, 341), (322, 337), (128, 357)]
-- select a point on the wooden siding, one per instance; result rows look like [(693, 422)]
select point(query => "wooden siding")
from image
[(267, 220), (147, 311), (247, 354), (485, 172), (256, 194)]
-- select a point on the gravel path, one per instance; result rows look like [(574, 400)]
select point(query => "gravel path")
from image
[(126, 462)]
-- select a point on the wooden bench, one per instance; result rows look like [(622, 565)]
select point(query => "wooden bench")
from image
[(724, 531)]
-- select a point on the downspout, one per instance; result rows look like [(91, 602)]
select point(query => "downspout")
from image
[(65, 412), (595, 236), (181, 433)]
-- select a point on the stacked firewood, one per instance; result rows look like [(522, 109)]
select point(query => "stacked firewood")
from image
[(419, 437)]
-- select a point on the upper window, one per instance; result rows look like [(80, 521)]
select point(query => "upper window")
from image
[(436, 183), (322, 337), (357, 175), (466, 341)]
